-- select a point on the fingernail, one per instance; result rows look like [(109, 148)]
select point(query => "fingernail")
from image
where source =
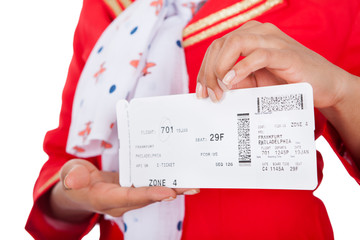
[(199, 90), (191, 192), (65, 185), (223, 86), (204, 93), (212, 95), (168, 199), (229, 77)]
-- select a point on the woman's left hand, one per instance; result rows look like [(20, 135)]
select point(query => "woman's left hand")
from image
[(270, 57)]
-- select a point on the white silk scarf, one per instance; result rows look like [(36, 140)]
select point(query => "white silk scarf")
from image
[(138, 55)]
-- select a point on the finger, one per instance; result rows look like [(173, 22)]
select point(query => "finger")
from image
[(75, 174), (260, 78), (242, 44), (254, 27), (210, 77), (70, 164), (248, 82), (235, 46), (78, 177), (276, 61), (250, 24), (187, 191), (201, 91), (264, 77), (244, 28), (116, 196)]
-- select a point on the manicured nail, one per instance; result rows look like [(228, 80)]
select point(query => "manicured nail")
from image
[(65, 185), (212, 95), (199, 90), (191, 192), (204, 93), (168, 199), (229, 77), (223, 86)]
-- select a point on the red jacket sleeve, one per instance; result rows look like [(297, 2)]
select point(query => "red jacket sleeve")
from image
[(350, 61), (94, 18)]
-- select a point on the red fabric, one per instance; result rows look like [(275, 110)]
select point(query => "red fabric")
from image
[(329, 27)]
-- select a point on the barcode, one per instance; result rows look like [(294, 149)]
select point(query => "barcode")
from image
[(280, 103), (243, 124)]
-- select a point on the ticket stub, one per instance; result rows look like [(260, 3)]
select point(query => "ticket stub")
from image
[(261, 138)]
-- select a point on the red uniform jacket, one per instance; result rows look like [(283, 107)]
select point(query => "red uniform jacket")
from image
[(329, 27)]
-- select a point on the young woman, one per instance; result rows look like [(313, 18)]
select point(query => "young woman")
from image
[(72, 194)]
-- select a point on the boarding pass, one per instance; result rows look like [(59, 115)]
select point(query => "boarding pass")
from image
[(258, 138)]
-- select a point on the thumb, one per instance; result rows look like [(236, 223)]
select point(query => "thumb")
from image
[(75, 174)]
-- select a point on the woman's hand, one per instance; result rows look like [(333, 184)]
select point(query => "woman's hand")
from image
[(84, 190), (270, 57)]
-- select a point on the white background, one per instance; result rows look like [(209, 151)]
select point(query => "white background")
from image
[(35, 51)]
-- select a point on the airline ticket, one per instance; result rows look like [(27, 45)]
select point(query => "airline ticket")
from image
[(258, 138)]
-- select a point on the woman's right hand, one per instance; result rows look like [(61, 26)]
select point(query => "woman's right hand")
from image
[(83, 190)]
